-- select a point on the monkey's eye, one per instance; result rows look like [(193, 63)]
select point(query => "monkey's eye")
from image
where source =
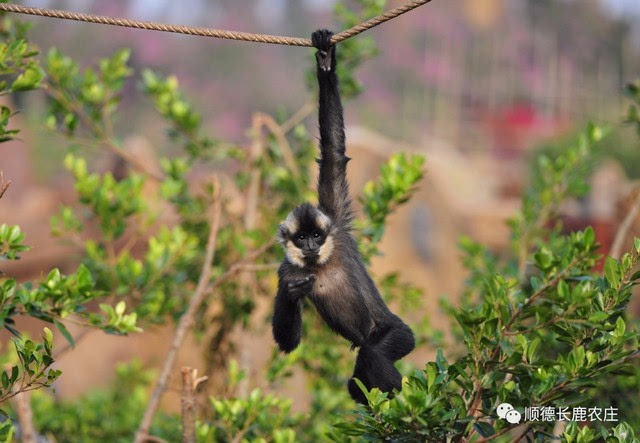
[(302, 237), (316, 235)]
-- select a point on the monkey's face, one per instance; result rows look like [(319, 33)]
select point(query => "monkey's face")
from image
[(309, 241), (306, 236)]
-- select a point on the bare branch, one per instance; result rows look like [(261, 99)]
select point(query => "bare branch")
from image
[(268, 121), (623, 229), (61, 351), (497, 434), (253, 191), (241, 265), (558, 428), (255, 267), (186, 320), (525, 431), (101, 136), (3, 185), (299, 116), (188, 403), (25, 417), (476, 400)]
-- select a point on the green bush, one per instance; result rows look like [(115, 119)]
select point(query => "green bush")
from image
[(105, 415)]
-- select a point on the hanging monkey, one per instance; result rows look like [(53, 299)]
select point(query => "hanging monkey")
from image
[(323, 261)]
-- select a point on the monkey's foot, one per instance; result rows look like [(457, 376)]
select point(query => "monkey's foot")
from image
[(356, 393)]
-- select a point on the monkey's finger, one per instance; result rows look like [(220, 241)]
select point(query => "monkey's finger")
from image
[(303, 281), (326, 39), (297, 284), (321, 39)]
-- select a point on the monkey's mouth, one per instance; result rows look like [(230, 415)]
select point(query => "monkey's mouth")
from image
[(310, 257)]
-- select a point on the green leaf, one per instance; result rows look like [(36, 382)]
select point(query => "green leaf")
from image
[(48, 336), (120, 307), (62, 328), (635, 276), (532, 348), (589, 237), (431, 374), (364, 390), (6, 429), (612, 272), (484, 429), (563, 290), (595, 132), (29, 79), (543, 258), (15, 372)]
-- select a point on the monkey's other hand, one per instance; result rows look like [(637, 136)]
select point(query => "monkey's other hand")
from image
[(299, 288), (326, 54)]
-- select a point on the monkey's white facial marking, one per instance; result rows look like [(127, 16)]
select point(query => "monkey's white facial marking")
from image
[(324, 254), (288, 226), (305, 236), (323, 221), (294, 254), (291, 222)]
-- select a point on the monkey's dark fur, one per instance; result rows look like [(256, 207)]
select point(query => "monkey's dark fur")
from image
[(323, 261)]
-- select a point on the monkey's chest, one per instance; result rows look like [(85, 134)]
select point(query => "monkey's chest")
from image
[(330, 282), (340, 305)]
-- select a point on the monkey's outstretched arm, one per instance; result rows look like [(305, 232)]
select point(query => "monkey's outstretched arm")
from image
[(333, 189)]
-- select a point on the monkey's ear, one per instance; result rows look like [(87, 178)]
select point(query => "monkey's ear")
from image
[(283, 235)]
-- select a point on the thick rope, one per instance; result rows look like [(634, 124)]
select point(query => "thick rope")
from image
[(375, 21), (209, 32)]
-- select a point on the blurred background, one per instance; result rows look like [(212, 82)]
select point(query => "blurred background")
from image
[(476, 86)]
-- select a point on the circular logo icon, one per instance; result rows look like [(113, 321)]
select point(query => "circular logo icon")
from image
[(513, 417), (503, 408)]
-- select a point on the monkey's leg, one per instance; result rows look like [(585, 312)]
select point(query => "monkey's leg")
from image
[(395, 342), (374, 370), (374, 365)]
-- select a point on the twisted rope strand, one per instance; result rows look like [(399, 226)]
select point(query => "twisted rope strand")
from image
[(375, 21), (208, 32)]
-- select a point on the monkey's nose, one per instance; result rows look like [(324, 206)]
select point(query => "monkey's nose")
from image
[(310, 252)]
